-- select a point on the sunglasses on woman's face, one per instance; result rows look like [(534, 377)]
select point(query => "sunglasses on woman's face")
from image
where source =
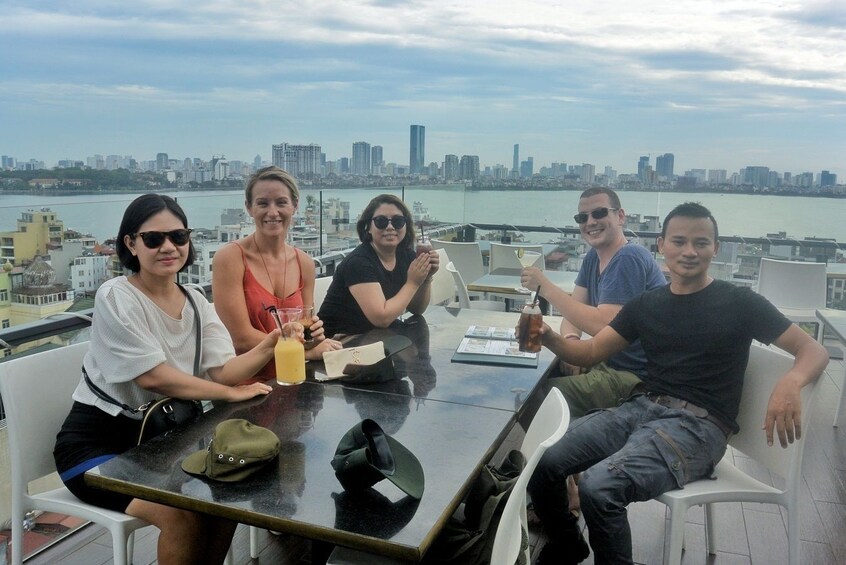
[(155, 239), (382, 222), (597, 214)]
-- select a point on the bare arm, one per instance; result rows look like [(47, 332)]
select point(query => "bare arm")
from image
[(784, 411), (580, 316), (229, 302), (586, 352)]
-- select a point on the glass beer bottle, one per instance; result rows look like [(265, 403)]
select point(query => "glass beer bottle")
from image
[(531, 321)]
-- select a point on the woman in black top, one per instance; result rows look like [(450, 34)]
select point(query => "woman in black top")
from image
[(381, 278)]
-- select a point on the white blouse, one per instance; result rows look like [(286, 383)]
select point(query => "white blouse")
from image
[(130, 335)]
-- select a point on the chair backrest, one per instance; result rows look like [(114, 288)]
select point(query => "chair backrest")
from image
[(467, 257), (547, 427), (442, 286), (36, 392), (321, 285), (505, 256), (766, 365), (793, 284), (460, 287)]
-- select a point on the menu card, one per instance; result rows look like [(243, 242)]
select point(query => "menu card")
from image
[(492, 346)]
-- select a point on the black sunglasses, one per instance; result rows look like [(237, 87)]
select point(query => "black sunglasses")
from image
[(597, 214), (382, 222), (155, 239)]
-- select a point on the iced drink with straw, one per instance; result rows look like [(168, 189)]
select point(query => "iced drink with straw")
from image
[(289, 352)]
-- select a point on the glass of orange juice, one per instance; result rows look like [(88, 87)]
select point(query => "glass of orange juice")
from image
[(289, 351)]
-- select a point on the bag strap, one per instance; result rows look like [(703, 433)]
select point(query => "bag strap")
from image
[(103, 395)]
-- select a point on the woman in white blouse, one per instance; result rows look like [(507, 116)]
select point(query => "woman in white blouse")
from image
[(143, 343)]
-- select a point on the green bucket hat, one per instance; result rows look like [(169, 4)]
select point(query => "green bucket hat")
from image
[(237, 449), (366, 455)]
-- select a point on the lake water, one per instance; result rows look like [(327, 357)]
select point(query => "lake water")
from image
[(737, 214)]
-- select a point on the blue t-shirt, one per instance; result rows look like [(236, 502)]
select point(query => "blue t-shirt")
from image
[(630, 272)]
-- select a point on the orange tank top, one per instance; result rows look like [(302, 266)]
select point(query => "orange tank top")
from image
[(257, 298)]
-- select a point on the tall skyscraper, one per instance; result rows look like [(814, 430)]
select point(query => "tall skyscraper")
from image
[(664, 165), (451, 167), (642, 166), (515, 168), (828, 179), (361, 158), (417, 150), (468, 167), (162, 161), (376, 160)]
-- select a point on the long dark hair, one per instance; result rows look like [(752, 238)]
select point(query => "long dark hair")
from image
[(367, 216), (139, 211)]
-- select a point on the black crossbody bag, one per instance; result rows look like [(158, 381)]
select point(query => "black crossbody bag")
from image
[(162, 415)]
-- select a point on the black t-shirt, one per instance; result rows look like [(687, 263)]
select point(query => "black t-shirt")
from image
[(340, 312), (697, 345)]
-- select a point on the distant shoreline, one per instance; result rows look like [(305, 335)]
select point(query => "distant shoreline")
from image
[(54, 192)]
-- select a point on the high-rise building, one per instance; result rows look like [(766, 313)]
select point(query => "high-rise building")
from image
[(302, 161), (162, 161), (376, 160), (664, 165), (588, 173), (716, 176), (257, 163), (468, 167), (527, 168), (757, 176), (516, 166), (417, 150), (642, 165), (828, 179), (361, 158), (451, 171)]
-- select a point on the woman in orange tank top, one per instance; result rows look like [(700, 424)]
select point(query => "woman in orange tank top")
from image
[(263, 270)]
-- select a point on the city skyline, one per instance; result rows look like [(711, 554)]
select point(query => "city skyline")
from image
[(720, 85)]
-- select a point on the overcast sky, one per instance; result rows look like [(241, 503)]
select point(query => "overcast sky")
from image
[(719, 83)]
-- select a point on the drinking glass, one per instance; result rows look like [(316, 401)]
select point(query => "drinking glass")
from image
[(424, 245), (289, 351), (526, 258)]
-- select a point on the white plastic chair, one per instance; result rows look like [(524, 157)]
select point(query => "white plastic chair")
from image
[(505, 256), (464, 297), (766, 365), (547, 427), (36, 392), (321, 285), (467, 257), (796, 288), (442, 287)]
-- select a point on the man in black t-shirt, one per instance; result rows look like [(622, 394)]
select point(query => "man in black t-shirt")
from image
[(696, 333)]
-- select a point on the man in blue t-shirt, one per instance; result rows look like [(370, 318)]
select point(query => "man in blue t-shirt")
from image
[(613, 272)]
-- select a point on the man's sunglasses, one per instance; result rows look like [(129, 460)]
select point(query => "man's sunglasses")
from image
[(597, 214), (382, 222), (155, 239)]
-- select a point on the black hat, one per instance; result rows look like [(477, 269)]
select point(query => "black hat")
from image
[(366, 455)]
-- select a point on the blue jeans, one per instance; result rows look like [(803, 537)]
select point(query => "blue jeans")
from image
[(630, 453)]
